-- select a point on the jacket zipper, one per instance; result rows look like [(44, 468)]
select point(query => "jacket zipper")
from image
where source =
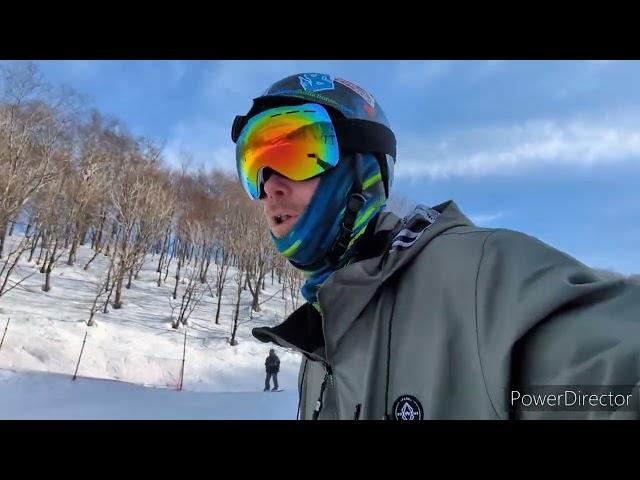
[(319, 403)]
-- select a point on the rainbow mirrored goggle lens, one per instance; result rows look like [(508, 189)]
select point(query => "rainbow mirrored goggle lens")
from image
[(298, 142)]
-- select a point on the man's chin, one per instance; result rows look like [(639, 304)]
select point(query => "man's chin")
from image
[(281, 230), (280, 233)]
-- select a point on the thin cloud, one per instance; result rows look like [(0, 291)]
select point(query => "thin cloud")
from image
[(509, 150), (485, 218)]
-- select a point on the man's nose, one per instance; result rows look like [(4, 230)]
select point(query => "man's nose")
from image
[(276, 186)]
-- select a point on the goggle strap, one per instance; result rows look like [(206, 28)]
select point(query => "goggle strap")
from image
[(354, 204), (360, 136), (238, 124)]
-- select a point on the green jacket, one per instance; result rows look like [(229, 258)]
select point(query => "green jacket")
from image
[(447, 320)]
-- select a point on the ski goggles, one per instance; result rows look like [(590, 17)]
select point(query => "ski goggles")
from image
[(298, 142)]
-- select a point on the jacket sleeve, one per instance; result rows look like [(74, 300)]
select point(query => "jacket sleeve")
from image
[(543, 318)]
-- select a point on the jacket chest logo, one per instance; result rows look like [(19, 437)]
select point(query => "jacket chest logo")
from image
[(407, 407)]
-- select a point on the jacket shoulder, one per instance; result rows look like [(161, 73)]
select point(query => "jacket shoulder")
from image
[(545, 318)]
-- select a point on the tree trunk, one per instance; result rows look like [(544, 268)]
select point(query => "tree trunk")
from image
[(34, 245), (235, 316), (67, 234), (43, 269), (47, 281), (255, 294), (218, 310), (137, 275), (187, 299), (255, 305), (83, 236), (74, 248), (97, 238), (175, 289), (43, 241), (3, 232), (52, 259), (117, 301), (130, 278), (108, 282), (13, 224), (86, 267), (106, 303), (204, 266), (220, 279), (162, 255), (91, 323), (175, 245)]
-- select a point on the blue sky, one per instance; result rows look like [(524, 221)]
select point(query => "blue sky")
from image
[(550, 148)]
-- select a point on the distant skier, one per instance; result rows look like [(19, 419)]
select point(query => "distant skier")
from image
[(272, 365)]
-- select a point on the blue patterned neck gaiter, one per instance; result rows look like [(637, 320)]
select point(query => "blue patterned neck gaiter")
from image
[(308, 242)]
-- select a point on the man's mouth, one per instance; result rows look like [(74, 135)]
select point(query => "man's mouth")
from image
[(282, 218)]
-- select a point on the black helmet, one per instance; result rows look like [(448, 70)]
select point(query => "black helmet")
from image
[(360, 122)]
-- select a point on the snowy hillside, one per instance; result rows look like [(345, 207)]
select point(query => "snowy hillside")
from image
[(137, 344)]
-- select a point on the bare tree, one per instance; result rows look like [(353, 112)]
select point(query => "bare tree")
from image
[(102, 288), (223, 260), (239, 231), (55, 209), (104, 244), (36, 133), (194, 234), (259, 254), (89, 182), (34, 121), (142, 204), (166, 246), (293, 280), (8, 267)]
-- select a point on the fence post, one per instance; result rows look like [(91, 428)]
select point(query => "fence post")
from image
[(5, 332), (184, 352), (80, 357)]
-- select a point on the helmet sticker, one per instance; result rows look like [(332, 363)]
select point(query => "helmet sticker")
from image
[(316, 82), (360, 91)]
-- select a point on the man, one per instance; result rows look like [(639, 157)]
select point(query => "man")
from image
[(426, 317), (272, 366)]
